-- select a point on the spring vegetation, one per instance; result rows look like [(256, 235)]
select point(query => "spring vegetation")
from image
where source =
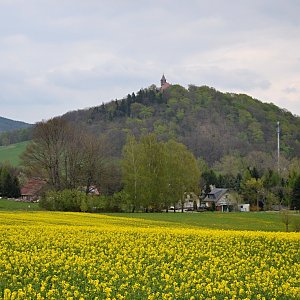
[(50, 255), (144, 152)]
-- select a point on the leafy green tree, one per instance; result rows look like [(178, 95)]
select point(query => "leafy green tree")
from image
[(270, 179), (182, 172), (157, 174), (152, 172), (131, 171), (253, 191), (230, 164)]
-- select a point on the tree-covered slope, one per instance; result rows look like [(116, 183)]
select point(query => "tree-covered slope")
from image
[(9, 125), (211, 123)]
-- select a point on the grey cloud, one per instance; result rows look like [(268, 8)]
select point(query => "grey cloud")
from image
[(240, 79), (61, 50), (290, 90)]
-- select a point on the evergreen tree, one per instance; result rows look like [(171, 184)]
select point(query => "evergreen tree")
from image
[(210, 178), (9, 184), (15, 191), (295, 201)]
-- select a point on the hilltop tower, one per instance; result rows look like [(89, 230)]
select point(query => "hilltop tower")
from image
[(163, 83), (163, 80)]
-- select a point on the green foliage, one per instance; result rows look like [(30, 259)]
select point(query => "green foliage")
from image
[(156, 174), (74, 200), (15, 136), (252, 191), (182, 173), (9, 183), (66, 200), (210, 123), (209, 178)]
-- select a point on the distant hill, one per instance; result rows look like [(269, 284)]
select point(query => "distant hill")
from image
[(212, 124), (10, 125)]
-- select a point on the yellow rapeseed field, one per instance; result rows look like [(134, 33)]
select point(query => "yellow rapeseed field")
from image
[(46, 255)]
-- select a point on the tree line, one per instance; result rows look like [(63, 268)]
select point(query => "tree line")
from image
[(15, 136), (152, 174), (262, 190)]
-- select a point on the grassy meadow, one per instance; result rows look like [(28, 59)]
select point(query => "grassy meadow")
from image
[(12, 153), (12, 205), (56, 255), (257, 221)]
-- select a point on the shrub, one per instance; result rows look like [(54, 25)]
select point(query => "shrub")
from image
[(74, 200), (66, 200)]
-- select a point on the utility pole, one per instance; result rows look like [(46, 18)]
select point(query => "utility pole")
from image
[(278, 146)]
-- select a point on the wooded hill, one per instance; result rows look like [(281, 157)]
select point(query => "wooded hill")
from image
[(212, 124), (9, 125), (12, 132)]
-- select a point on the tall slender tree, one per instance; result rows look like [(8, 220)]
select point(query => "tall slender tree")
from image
[(131, 170)]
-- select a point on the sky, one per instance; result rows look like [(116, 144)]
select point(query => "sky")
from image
[(63, 55)]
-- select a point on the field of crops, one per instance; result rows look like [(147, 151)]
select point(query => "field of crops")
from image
[(46, 255)]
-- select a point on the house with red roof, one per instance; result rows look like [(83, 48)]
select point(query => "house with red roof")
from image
[(32, 190)]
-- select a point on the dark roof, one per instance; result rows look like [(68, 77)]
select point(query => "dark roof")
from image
[(216, 194)]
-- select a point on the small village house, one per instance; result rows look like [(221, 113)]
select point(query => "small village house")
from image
[(219, 199), (32, 189)]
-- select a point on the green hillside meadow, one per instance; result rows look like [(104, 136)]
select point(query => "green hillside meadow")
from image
[(11, 153)]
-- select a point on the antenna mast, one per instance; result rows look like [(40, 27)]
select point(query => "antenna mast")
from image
[(278, 146)]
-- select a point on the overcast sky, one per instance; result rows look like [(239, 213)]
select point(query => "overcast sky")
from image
[(62, 55)]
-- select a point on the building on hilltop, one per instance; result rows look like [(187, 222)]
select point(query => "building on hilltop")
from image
[(163, 83)]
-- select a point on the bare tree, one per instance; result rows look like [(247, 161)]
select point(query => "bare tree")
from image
[(67, 156), (45, 154)]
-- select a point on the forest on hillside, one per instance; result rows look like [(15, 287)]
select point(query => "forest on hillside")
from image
[(210, 123), (150, 175), (10, 125), (132, 149)]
